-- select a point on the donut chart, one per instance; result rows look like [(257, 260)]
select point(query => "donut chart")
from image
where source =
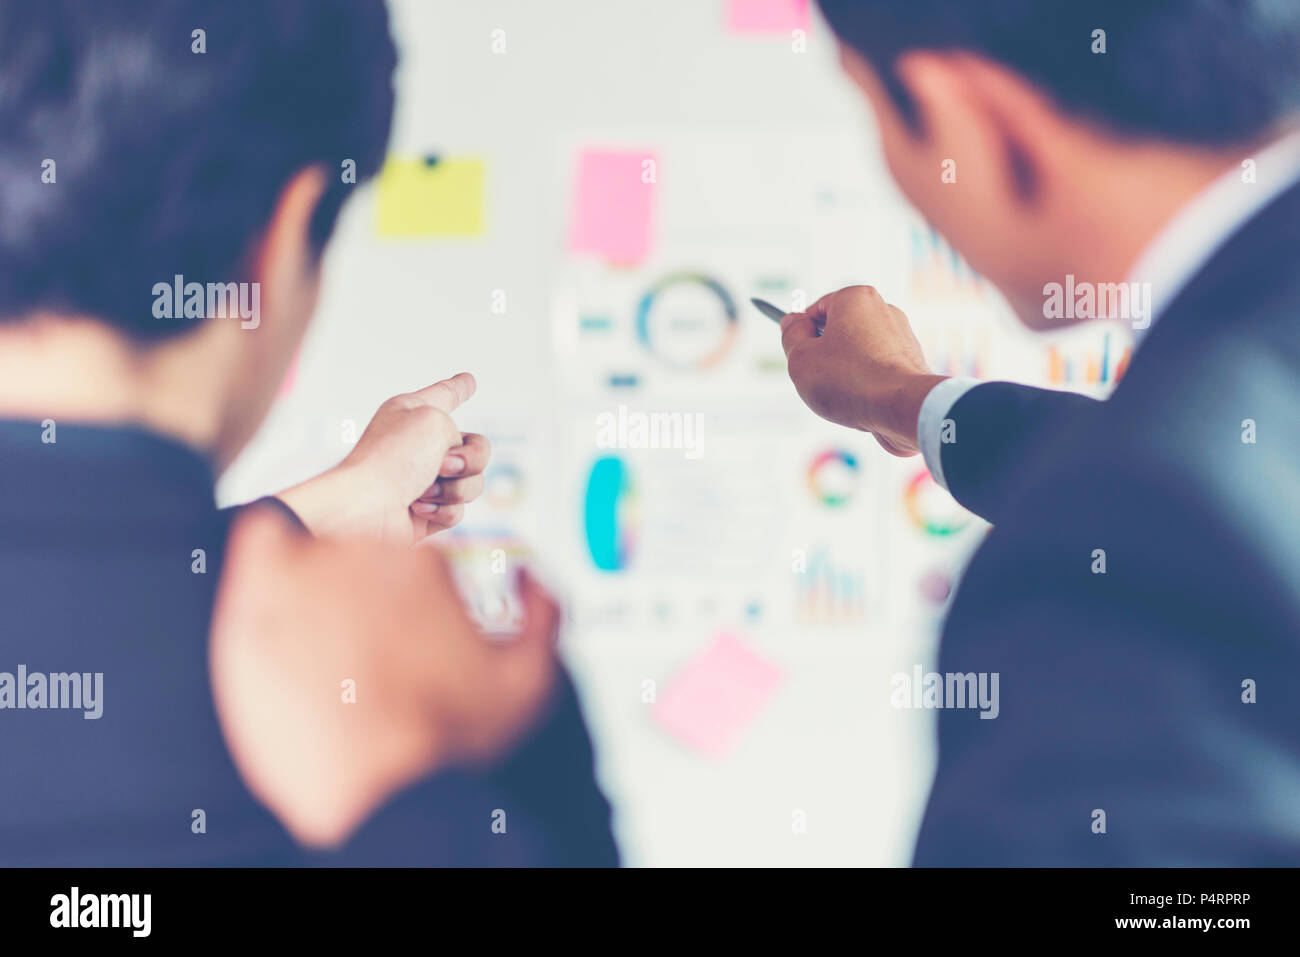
[(931, 510), (833, 477), (687, 320)]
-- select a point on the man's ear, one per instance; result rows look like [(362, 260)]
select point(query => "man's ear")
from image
[(285, 253), (285, 272), (1010, 131)]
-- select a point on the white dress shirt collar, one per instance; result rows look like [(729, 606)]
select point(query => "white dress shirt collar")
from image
[(1186, 243)]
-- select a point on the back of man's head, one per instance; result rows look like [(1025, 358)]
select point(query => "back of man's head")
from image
[(1206, 72), (172, 127)]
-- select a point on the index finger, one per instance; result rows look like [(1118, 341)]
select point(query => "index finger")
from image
[(449, 393)]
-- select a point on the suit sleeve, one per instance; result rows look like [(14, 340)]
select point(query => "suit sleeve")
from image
[(989, 429)]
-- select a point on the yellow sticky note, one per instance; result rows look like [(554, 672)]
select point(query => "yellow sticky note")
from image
[(418, 197)]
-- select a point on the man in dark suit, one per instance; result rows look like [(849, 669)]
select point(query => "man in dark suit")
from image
[(1139, 593), (346, 710)]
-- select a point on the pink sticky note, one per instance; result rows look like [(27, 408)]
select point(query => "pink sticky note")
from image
[(715, 697), (766, 16), (613, 206)]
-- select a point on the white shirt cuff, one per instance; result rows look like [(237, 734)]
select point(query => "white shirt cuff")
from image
[(929, 424)]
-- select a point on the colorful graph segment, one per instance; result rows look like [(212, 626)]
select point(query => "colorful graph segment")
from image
[(1088, 368), (832, 475), (932, 510), (830, 593), (610, 514)]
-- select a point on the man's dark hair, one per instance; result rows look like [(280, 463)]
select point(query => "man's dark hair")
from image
[(168, 160), (1209, 72)]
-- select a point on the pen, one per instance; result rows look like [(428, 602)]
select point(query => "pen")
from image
[(767, 309), (773, 312)]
